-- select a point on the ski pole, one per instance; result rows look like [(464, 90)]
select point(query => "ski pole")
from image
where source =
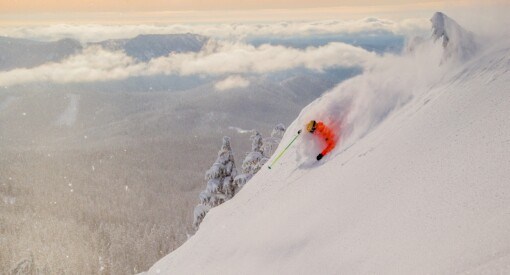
[(281, 154)]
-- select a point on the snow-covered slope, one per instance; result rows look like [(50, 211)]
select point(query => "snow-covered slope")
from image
[(419, 184)]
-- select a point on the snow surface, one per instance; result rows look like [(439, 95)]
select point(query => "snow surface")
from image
[(418, 185), (68, 116), (7, 102)]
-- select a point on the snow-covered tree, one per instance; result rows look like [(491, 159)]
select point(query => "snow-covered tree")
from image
[(220, 182), (223, 182), (271, 143), (252, 163), (256, 158)]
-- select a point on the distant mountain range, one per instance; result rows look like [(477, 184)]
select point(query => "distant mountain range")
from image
[(24, 53), (147, 46)]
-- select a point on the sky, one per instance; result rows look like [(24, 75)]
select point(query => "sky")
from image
[(165, 5), (158, 5), (22, 12)]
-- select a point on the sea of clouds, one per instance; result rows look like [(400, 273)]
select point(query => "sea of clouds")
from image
[(233, 31), (217, 58), (227, 52)]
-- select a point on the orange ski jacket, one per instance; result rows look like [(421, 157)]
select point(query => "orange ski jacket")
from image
[(327, 134)]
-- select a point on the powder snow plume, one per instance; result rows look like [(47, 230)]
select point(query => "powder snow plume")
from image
[(358, 105)]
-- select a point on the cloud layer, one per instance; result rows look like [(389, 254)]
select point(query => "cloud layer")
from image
[(215, 59), (94, 64), (232, 82), (95, 32)]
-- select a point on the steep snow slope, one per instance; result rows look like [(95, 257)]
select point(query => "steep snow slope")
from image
[(418, 185)]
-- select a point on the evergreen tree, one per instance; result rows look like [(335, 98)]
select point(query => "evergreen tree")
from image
[(252, 163), (271, 143), (220, 182)]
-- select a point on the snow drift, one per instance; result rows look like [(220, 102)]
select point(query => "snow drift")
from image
[(418, 185)]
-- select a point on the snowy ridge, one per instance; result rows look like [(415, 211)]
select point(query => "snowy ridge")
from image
[(418, 184), (458, 42)]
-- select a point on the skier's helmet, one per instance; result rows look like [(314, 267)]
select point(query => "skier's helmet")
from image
[(310, 127)]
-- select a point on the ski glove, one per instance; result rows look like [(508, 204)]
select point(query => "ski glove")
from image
[(319, 156)]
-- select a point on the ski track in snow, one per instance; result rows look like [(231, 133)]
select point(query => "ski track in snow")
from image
[(68, 117)]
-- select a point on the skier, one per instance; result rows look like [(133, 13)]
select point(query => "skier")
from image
[(324, 132), (315, 128)]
